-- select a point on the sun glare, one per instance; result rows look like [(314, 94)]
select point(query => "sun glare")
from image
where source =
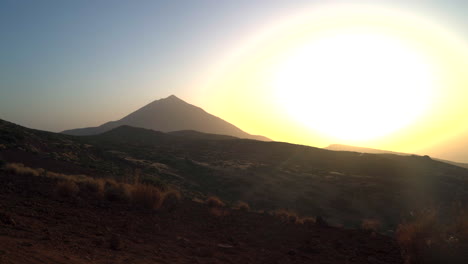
[(356, 75), (355, 84)]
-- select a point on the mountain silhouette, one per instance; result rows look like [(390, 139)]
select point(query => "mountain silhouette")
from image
[(168, 115)]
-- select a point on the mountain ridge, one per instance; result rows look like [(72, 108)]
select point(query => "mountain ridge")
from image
[(341, 147), (168, 115)]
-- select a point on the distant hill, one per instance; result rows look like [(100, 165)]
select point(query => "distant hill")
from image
[(339, 147), (168, 115)]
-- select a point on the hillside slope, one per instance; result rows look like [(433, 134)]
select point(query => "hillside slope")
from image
[(342, 187), (37, 226)]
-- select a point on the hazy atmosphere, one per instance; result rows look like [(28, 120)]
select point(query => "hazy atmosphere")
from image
[(269, 67), (243, 131)]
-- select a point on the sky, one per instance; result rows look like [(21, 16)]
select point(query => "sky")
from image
[(69, 64)]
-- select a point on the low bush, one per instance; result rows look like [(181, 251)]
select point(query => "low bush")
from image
[(243, 206), (95, 186), (425, 239), (150, 196), (20, 169), (214, 202), (117, 192), (67, 189), (170, 200), (286, 215), (156, 182), (146, 196), (371, 224), (307, 221)]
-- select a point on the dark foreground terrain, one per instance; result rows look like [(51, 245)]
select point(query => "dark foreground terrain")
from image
[(345, 188), (38, 226)]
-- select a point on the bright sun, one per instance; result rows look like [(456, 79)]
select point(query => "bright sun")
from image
[(355, 83), (357, 75)]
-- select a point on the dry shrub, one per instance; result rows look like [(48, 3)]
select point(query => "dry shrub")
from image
[(95, 186), (67, 189), (146, 196), (418, 235), (286, 215), (198, 200), (243, 206), (308, 221), (214, 202), (371, 224), (170, 200), (20, 169), (118, 192), (219, 211), (55, 175), (424, 239)]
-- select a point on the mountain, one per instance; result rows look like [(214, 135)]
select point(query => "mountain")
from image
[(168, 115), (339, 147)]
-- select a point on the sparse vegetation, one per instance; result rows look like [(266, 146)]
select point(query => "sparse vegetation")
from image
[(243, 206), (95, 186), (20, 169), (170, 199), (214, 202), (155, 182), (146, 196), (67, 188), (308, 221), (142, 195), (286, 215), (117, 192), (426, 239), (371, 224)]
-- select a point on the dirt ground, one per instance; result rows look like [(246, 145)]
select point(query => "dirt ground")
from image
[(37, 226)]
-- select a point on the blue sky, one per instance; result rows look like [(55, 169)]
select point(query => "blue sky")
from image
[(67, 64)]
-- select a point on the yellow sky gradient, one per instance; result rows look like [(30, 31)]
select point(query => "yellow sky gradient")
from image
[(241, 91)]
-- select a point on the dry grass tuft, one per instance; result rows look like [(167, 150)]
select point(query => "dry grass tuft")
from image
[(170, 200), (117, 192), (67, 189), (371, 224), (308, 221), (95, 186), (286, 215), (243, 206), (425, 239), (214, 202), (143, 195), (146, 196), (20, 169)]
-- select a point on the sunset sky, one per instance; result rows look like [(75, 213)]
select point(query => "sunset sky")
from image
[(382, 74)]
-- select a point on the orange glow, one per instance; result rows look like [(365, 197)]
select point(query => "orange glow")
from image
[(414, 96)]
